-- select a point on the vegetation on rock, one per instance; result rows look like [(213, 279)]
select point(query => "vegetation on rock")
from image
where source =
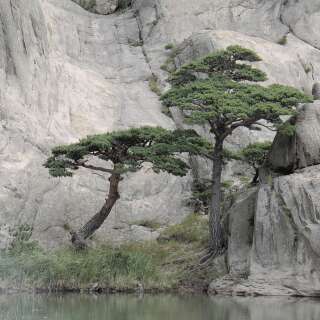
[(219, 90), (255, 154)]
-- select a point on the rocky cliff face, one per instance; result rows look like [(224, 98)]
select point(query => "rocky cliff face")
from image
[(274, 236), (66, 72)]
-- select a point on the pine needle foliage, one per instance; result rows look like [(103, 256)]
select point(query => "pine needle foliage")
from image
[(128, 150)]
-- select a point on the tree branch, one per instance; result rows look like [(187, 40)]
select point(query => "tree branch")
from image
[(243, 123), (265, 126), (88, 166)]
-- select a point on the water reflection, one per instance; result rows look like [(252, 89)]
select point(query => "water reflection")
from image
[(84, 307)]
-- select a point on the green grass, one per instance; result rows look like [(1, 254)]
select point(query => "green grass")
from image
[(66, 268), (160, 265)]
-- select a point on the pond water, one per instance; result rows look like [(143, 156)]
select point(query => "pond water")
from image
[(162, 307)]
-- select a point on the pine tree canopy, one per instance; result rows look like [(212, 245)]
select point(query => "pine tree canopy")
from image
[(226, 62), (223, 99), (128, 150)]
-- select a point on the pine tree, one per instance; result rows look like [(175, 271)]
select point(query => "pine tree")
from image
[(219, 90), (255, 154), (126, 151)]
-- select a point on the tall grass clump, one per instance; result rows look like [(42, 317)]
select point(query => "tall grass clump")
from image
[(68, 269)]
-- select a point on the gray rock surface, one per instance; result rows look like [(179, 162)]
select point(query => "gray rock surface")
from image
[(66, 73), (303, 19), (316, 91), (285, 252), (301, 150), (6, 237), (241, 226)]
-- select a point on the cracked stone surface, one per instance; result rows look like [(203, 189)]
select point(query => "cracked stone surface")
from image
[(66, 72)]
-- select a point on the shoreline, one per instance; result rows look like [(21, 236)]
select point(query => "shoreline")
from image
[(181, 291)]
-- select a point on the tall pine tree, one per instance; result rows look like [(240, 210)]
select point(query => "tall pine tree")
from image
[(219, 90)]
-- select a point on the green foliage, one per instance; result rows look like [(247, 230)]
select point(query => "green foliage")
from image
[(169, 46), (287, 129), (256, 153), (67, 267), (194, 228), (129, 149), (222, 99), (219, 100), (223, 63)]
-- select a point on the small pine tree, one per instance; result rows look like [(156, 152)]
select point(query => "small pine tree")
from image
[(127, 151), (215, 90), (255, 154)]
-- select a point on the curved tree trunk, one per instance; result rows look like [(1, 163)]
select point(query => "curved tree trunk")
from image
[(217, 238), (78, 238)]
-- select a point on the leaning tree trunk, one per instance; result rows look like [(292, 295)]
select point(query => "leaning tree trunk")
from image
[(78, 238), (217, 238)]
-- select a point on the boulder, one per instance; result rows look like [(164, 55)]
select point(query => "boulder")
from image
[(301, 150), (284, 256), (241, 224), (316, 91)]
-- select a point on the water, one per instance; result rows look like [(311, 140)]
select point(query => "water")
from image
[(84, 307)]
